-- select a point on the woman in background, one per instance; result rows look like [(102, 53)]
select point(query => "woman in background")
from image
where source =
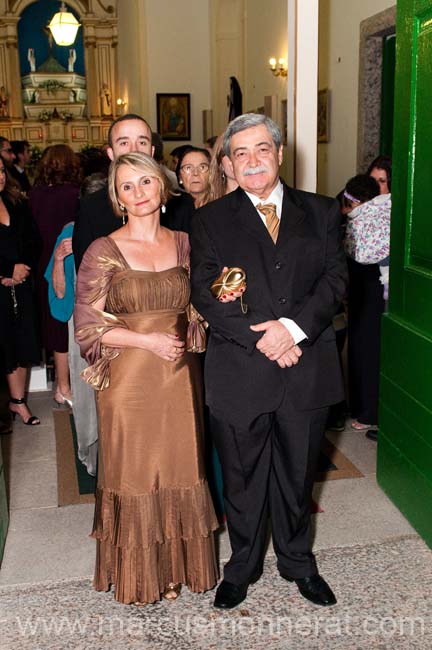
[(54, 202), (221, 176), (193, 176), (381, 170), (19, 251), (366, 303)]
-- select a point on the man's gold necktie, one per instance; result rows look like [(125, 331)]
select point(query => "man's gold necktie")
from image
[(272, 221)]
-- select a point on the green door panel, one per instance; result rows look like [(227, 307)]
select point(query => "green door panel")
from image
[(405, 432)]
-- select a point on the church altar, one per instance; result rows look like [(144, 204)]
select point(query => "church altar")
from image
[(58, 93)]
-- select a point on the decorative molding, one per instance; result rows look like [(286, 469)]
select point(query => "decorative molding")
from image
[(372, 31), (110, 9), (18, 6)]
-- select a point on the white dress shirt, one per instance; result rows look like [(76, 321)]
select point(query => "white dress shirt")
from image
[(276, 197)]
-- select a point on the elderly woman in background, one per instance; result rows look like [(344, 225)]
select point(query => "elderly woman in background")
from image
[(154, 518), (54, 202), (193, 176), (221, 176), (19, 251)]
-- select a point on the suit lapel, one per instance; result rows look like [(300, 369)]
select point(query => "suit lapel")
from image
[(291, 219), (249, 219)]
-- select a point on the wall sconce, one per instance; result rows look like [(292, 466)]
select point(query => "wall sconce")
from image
[(64, 26), (121, 103), (278, 68)]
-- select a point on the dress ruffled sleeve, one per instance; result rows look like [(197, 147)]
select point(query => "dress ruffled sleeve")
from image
[(196, 338), (95, 274)]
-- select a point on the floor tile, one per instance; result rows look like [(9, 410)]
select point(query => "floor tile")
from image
[(356, 511), (33, 484), (49, 543)]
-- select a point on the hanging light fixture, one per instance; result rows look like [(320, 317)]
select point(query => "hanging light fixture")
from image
[(64, 26)]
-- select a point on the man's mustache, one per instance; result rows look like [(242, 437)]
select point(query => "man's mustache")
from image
[(250, 171)]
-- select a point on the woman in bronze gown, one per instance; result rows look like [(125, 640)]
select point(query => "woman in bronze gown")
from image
[(154, 519)]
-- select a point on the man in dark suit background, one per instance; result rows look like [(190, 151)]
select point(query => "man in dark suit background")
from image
[(95, 216), (270, 374), (23, 156)]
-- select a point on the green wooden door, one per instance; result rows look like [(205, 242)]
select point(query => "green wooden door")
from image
[(405, 435)]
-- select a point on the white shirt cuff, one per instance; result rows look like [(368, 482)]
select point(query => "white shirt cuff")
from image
[(295, 331)]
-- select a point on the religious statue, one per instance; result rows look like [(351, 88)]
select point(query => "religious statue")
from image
[(35, 97), (105, 100), (4, 101), (72, 96), (71, 60), (31, 59)]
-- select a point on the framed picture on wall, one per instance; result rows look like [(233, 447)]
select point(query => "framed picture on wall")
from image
[(323, 115), (173, 116)]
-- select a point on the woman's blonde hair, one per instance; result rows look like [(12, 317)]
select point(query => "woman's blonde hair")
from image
[(217, 178), (140, 162)]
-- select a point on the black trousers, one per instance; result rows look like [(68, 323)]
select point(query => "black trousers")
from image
[(268, 468), (365, 309)]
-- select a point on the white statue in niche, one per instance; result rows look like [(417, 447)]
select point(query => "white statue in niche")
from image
[(105, 100), (31, 59), (35, 97), (72, 96), (71, 60)]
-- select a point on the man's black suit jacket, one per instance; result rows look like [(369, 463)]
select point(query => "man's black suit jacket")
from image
[(21, 178), (302, 277), (95, 218)]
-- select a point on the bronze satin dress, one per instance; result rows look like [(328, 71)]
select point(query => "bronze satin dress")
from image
[(154, 519)]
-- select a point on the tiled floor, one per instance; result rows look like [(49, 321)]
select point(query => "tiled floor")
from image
[(48, 543)]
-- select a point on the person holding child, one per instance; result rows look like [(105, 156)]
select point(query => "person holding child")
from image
[(367, 244)]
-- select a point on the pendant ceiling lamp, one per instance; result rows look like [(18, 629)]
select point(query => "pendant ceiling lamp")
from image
[(64, 26)]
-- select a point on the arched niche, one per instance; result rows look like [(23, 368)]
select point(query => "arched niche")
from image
[(33, 33), (99, 32)]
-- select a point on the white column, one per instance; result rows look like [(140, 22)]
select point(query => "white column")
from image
[(302, 93)]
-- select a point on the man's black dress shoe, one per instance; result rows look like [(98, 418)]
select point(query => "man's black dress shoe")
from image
[(315, 589), (372, 434), (229, 595)]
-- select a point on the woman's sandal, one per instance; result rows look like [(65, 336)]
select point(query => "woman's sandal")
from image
[(32, 420), (172, 592), (359, 426)]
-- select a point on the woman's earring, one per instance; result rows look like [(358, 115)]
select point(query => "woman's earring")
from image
[(123, 209), (223, 176), (163, 208), (180, 182)]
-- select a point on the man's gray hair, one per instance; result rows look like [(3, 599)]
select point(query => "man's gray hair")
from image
[(247, 121)]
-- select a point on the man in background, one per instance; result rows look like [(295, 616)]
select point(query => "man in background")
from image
[(6, 152), (95, 218), (22, 152)]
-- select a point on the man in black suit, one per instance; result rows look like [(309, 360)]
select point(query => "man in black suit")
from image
[(270, 374), (23, 155), (95, 216)]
